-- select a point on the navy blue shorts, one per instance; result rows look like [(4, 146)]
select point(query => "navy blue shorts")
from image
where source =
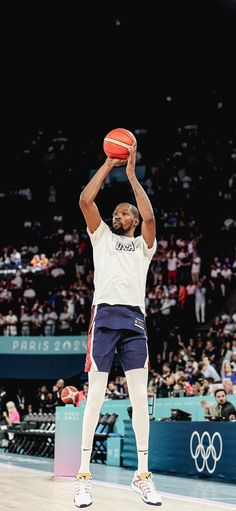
[(118, 328)]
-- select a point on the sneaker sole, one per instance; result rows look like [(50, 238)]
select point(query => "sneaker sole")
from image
[(140, 493), (83, 505)]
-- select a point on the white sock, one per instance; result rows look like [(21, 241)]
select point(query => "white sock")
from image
[(95, 398), (137, 387), (142, 461), (85, 460)]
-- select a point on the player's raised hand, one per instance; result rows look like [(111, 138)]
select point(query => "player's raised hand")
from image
[(114, 162), (130, 168)]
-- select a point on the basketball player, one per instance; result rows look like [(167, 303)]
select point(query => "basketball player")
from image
[(121, 263)]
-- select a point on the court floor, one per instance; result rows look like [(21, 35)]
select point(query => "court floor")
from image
[(28, 483)]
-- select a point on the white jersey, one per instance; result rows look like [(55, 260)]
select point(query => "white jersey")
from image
[(120, 267)]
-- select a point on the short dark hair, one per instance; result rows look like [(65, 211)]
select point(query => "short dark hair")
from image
[(135, 211), (219, 390)]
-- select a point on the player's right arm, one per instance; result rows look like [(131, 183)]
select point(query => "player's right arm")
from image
[(87, 196)]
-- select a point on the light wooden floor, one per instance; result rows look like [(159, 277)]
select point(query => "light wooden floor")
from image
[(23, 489)]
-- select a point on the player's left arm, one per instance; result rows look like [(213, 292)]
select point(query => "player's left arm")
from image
[(144, 205)]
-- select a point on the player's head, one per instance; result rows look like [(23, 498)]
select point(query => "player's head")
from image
[(125, 219)]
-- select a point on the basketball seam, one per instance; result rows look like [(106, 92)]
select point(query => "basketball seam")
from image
[(123, 132), (117, 142)]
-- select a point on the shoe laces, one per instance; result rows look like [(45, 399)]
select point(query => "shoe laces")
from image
[(83, 483), (146, 483)]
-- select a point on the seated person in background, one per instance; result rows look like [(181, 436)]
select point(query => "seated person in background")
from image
[(206, 386), (208, 370), (121, 384), (228, 386), (56, 391), (179, 387), (166, 381), (49, 405), (223, 408), (112, 392), (82, 396), (227, 373), (12, 415)]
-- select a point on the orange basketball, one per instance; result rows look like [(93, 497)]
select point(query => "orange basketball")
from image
[(69, 394), (117, 142)]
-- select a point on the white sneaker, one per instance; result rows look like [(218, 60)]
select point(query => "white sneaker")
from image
[(143, 484), (83, 490)]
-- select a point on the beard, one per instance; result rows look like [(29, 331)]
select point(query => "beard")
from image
[(118, 229)]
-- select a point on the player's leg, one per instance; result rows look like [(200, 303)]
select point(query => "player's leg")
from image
[(142, 481), (96, 393), (100, 355), (99, 358), (137, 380), (133, 353)]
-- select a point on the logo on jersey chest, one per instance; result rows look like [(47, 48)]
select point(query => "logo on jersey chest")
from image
[(126, 247)]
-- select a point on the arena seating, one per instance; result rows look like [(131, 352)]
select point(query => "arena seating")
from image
[(104, 429), (34, 435)]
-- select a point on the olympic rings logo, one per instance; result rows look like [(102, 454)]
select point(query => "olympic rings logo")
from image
[(206, 455)]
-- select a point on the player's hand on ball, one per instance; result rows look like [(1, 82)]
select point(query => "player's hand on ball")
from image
[(115, 162), (120, 162)]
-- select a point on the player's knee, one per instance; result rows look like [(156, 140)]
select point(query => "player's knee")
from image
[(139, 399), (95, 397)]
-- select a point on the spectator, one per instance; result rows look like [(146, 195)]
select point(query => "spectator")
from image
[(210, 352), (12, 415), (227, 373), (226, 351), (206, 386), (65, 321), (208, 370), (25, 320), (172, 263), (29, 411), (182, 295), (11, 321), (183, 271), (41, 396), (49, 405), (112, 391), (228, 386), (82, 396), (195, 268), (17, 281), (122, 387), (20, 402), (57, 388), (165, 381), (36, 323), (15, 258), (2, 323), (223, 408), (30, 295), (233, 362), (200, 303), (50, 321), (189, 369)]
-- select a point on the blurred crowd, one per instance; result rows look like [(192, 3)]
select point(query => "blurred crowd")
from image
[(46, 267)]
